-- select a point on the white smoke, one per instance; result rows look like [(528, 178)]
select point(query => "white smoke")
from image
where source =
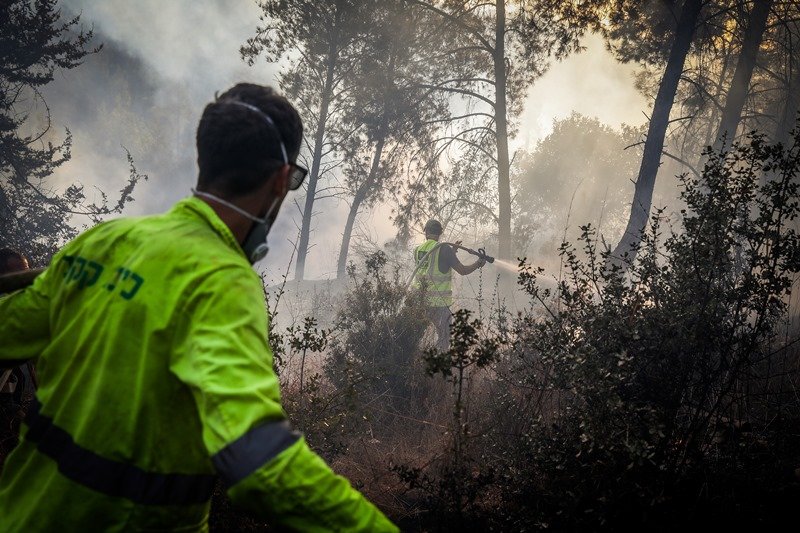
[(163, 61)]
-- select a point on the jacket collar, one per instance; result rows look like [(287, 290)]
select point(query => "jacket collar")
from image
[(198, 208)]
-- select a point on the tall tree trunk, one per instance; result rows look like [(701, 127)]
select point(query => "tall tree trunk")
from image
[(501, 132), (360, 196), (369, 183), (788, 119), (719, 91), (737, 94), (316, 162), (656, 131)]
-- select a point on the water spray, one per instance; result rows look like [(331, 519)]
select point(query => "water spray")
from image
[(508, 266)]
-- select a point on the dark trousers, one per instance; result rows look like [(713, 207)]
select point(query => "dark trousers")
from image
[(441, 317), (12, 408)]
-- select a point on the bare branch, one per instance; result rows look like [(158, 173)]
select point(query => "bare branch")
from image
[(458, 21), (459, 91)]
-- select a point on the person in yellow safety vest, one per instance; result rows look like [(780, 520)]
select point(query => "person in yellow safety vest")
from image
[(16, 384), (435, 274), (155, 372)]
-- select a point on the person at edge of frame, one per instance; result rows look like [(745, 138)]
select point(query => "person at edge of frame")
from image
[(17, 384)]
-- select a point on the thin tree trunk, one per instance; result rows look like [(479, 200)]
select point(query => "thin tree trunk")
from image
[(316, 162), (740, 86), (369, 183), (501, 132), (654, 144), (789, 117), (360, 196), (719, 91)]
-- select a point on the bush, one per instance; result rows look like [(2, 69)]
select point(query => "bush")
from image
[(453, 486), (375, 353), (657, 378)]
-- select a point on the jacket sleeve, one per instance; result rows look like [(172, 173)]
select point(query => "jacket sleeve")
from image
[(25, 322), (224, 357)]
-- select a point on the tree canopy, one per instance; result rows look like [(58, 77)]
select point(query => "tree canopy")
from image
[(35, 42)]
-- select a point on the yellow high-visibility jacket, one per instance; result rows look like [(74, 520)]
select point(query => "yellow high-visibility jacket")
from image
[(438, 285), (155, 374)]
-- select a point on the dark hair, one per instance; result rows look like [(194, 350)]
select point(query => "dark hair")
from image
[(237, 148), (6, 255)]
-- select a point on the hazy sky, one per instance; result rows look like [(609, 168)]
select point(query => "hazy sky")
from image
[(162, 62)]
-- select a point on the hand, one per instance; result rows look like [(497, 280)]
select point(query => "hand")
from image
[(481, 262), (457, 243)]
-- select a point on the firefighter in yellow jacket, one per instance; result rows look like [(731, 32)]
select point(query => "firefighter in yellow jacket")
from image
[(435, 263), (155, 373)]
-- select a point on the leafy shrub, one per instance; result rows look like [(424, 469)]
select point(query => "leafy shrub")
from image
[(453, 487), (379, 328), (637, 369)]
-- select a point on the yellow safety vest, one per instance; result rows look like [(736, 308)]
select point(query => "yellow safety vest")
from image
[(438, 286)]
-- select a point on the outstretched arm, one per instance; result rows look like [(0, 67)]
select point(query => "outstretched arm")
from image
[(465, 270), (225, 359), (458, 266)]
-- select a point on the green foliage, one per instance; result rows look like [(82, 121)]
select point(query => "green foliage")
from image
[(322, 40), (313, 407), (582, 167), (379, 329), (33, 218), (646, 366), (389, 112), (308, 338), (640, 31), (494, 52), (467, 349), (370, 371), (454, 484)]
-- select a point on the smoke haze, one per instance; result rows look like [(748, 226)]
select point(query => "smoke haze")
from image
[(161, 63)]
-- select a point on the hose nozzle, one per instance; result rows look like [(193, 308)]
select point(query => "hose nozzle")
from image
[(482, 254)]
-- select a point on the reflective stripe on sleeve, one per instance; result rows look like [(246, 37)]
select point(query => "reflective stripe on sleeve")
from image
[(252, 450), (113, 478)]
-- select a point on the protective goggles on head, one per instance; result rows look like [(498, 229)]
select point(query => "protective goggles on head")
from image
[(297, 173)]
